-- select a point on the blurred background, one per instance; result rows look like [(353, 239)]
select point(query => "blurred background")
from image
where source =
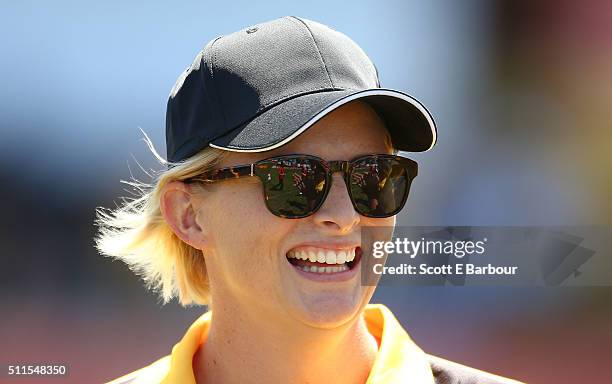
[(521, 92)]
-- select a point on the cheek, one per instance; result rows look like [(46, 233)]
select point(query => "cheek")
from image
[(376, 230), (243, 235), (222, 201), (234, 213), (373, 222)]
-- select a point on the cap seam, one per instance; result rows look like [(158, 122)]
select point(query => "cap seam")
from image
[(213, 57), (287, 97), (317, 48), (279, 101)]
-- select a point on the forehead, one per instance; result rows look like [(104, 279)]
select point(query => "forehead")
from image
[(349, 131)]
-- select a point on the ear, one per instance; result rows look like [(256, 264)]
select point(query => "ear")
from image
[(179, 210)]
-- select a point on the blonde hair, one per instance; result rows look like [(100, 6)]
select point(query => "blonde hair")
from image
[(137, 234)]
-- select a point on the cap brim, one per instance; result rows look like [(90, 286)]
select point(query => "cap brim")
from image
[(411, 126)]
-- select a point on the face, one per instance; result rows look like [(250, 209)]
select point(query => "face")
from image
[(248, 250)]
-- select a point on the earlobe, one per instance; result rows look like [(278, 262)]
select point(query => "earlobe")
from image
[(177, 207)]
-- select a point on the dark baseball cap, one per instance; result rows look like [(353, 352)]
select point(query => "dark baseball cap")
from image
[(256, 89)]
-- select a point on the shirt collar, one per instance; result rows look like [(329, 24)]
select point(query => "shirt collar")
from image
[(398, 359)]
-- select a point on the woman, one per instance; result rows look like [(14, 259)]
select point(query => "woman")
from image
[(280, 270)]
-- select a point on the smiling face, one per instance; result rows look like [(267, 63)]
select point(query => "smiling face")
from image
[(255, 260)]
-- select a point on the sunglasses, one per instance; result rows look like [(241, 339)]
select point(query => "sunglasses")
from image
[(295, 186)]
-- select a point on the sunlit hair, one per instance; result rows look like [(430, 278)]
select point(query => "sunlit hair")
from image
[(136, 233)]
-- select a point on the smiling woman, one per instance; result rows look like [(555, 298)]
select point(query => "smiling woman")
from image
[(281, 147)]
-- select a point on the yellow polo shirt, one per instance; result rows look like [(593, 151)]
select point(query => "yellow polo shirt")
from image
[(399, 359)]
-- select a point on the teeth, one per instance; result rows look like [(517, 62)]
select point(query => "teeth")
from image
[(327, 256), (312, 256), (321, 257), (341, 257), (330, 258), (315, 269), (350, 255)]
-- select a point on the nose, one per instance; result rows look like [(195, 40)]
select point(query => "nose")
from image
[(337, 214)]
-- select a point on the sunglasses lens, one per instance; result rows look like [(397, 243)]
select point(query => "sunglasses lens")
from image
[(294, 187), (379, 186)]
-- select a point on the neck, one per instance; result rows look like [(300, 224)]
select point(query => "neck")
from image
[(247, 348)]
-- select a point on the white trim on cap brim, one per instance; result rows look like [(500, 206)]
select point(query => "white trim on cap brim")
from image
[(359, 95)]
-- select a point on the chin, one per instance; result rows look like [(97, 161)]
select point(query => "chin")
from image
[(330, 310)]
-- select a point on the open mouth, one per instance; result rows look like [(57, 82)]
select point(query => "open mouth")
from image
[(323, 260)]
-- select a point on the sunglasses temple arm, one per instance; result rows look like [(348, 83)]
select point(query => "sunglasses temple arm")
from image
[(227, 173)]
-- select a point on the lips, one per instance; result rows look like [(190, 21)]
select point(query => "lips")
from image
[(319, 260)]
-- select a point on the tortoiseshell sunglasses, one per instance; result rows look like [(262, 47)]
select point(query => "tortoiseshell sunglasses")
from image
[(295, 186)]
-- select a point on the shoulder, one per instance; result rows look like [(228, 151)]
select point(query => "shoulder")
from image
[(151, 374), (448, 372)]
